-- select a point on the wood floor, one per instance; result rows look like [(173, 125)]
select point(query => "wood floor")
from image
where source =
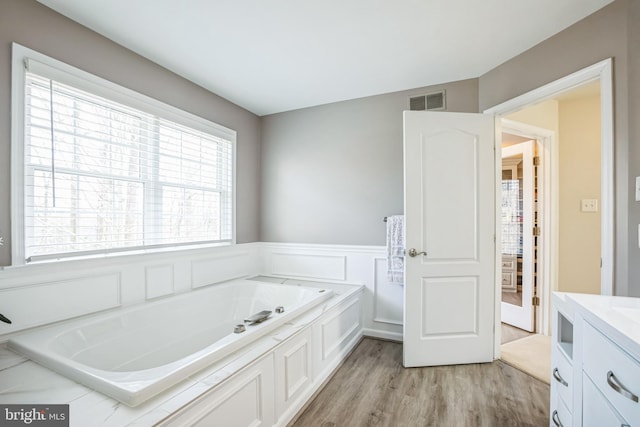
[(373, 389), (514, 298)]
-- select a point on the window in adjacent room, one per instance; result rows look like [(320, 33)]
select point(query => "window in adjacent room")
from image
[(101, 175)]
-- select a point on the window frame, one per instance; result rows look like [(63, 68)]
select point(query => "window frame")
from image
[(22, 58)]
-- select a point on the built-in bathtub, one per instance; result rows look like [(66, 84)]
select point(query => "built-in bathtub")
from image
[(135, 353)]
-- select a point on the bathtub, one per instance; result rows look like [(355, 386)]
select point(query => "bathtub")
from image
[(132, 354)]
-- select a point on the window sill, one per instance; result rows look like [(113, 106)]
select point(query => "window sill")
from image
[(122, 257)]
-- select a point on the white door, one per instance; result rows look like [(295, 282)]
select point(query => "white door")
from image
[(449, 298), (517, 237)]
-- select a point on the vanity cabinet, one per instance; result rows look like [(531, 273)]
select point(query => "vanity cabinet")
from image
[(562, 384), (613, 373), (595, 363)]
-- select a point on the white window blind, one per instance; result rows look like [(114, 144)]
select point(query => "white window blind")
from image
[(100, 176)]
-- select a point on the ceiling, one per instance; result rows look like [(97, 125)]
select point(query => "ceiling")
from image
[(279, 55)]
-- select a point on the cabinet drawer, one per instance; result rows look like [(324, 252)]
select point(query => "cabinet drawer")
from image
[(508, 279), (560, 415), (562, 375), (596, 411), (602, 359), (508, 265)]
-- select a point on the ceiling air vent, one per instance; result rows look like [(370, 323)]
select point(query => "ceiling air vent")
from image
[(431, 102)]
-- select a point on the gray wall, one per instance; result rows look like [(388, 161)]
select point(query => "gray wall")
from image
[(634, 144), (331, 173), (610, 32), (38, 27)]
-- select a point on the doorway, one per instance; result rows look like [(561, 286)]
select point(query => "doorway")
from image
[(597, 76), (548, 251), (518, 217)]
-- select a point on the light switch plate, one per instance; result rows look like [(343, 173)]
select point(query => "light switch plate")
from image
[(637, 188), (589, 205)]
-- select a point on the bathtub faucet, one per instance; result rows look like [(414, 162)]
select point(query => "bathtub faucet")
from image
[(4, 319)]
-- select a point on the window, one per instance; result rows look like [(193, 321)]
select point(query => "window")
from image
[(100, 175)]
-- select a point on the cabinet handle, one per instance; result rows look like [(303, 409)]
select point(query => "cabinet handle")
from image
[(558, 377), (556, 419), (615, 384)]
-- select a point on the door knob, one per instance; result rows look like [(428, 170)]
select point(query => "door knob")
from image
[(413, 253)]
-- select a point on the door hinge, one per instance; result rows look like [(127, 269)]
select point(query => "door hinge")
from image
[(536, 161), (535, 301), (536, 231)]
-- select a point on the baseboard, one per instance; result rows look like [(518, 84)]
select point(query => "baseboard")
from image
[(385, 335)]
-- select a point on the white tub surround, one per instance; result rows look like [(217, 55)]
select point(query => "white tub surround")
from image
[(276, 374), (595, 361), (42, 293), (46, 292), (135, 353), (383, 301)]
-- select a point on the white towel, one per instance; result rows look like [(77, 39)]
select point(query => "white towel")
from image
[(395, 249)]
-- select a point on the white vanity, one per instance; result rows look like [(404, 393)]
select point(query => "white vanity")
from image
[(595, 361)]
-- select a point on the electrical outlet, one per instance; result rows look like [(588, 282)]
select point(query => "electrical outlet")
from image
[(589, 205)]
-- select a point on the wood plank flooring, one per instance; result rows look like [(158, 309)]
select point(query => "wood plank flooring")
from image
[(372, 388)]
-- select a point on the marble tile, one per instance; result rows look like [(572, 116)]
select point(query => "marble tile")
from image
[(8, 358), (98, 409), (185, 397), (30, 382), (150, 418)]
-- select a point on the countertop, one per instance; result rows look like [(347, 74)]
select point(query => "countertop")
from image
[(616, 317)]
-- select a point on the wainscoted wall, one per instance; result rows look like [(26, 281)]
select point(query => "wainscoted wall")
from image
[(367, 265), (39, 294)]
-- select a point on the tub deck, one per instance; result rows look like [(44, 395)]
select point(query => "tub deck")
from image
[(135, 353)]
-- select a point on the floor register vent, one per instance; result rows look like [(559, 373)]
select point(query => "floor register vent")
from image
[(430, 102)]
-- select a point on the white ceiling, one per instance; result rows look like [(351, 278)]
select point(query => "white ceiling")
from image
[(279, 55)]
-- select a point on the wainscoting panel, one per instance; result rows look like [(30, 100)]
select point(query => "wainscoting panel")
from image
[(211, 270), (41, 293), (42, 303), (382, 302), (49, 292), (337, 329), (388, 297), (320, 267), (159, 281)]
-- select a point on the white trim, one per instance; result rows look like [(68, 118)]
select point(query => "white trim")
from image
[(17, 156), (27, 59), (332, 248), (548, 204), (375, 333), (601, 71)]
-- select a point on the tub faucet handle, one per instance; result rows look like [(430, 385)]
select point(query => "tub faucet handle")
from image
[(279, 309), (5, 319)]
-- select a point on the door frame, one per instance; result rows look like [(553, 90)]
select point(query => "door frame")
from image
[(547, 267), (516, 313), (602, 72)]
